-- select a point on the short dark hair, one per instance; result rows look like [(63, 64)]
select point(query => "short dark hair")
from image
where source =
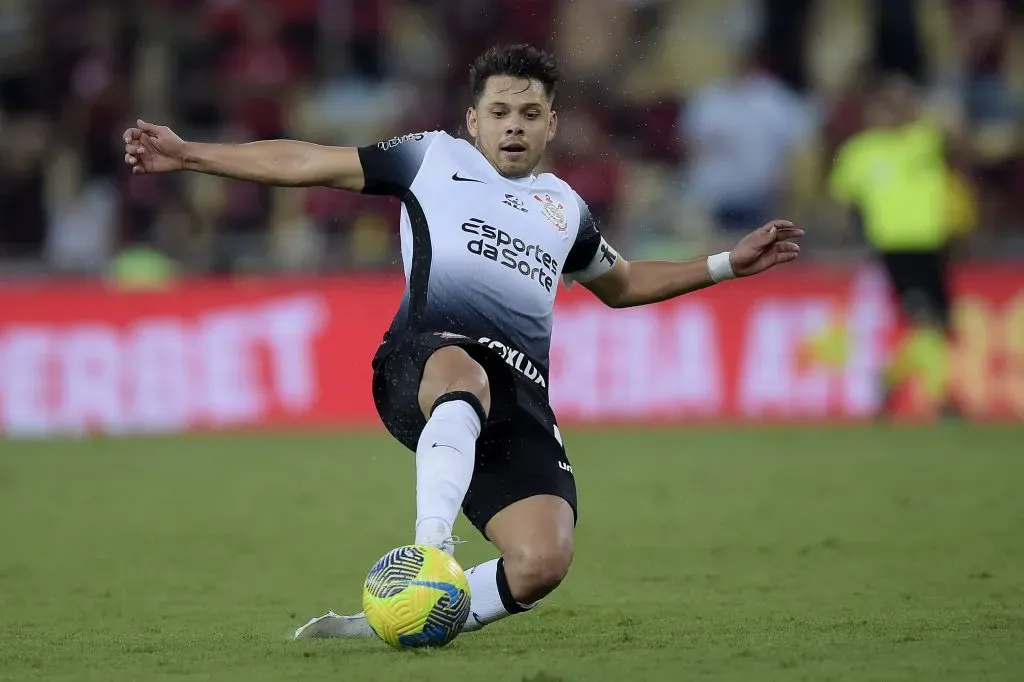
[(518, 61)]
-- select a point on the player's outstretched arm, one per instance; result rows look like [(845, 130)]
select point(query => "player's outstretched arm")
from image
[(287, 163), (629, 284)]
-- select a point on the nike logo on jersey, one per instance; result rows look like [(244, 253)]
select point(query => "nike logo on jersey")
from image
[(456, 178)]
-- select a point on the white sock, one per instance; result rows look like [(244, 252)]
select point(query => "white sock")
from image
[(445, 456), (490, 598), (487, 585)]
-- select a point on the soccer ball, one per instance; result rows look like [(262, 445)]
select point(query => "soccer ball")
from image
[(416, 596)]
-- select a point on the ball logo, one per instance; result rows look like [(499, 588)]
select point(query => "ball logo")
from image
[(394, 571), (553, 211)]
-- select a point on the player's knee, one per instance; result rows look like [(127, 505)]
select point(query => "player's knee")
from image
[(535, 571), (452, 370), (472, 378)]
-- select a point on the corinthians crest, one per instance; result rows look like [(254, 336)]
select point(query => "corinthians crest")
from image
[(553, 211)]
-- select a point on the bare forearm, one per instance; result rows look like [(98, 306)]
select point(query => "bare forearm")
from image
[(625, 284), (654, 281), (286, 163)]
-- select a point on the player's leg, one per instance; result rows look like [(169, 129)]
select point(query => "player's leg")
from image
[(935, 333), (900, 269), (535, 537), (519, 460), (921, 353), (433, 397), (523, 499), (454, 397)]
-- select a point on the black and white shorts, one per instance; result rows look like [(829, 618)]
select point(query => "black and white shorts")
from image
[(519, 453)]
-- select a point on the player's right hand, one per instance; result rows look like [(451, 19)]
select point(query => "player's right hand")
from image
[(150, 148), (765, 247)]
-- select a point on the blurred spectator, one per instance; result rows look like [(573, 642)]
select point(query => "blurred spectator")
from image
[(985, 47), (983, 43), (640, 75), (258, 76), (25, 134), (742, 134), (25, 140), (585, 158), (897, 44)]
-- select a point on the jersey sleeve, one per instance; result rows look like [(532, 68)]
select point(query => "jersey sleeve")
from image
[(390, 166), (590, 256)]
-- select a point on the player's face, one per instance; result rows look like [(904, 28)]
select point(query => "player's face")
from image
[(512, 124)]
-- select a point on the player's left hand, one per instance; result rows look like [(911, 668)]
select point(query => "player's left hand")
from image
[(765, 247)]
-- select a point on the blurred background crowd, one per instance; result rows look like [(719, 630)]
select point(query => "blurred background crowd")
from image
[(681, 121)]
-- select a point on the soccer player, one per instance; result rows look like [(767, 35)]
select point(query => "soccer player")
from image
[(896, 179), (461, 376)]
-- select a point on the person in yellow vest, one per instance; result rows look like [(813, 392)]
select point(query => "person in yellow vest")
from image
[(896, 177), (138, 264)]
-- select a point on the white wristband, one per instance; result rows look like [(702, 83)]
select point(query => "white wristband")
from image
[(720, 268)]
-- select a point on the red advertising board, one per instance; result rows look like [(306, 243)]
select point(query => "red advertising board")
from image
[(281, 353)]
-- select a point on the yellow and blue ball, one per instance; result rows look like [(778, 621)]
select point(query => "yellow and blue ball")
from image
[(416, 596)]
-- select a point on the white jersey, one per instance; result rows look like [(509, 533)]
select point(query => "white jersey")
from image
[(483, 253)]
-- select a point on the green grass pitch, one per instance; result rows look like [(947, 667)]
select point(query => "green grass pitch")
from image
[(870, 553)]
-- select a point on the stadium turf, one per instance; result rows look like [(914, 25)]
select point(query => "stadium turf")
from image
[(871, 553)]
